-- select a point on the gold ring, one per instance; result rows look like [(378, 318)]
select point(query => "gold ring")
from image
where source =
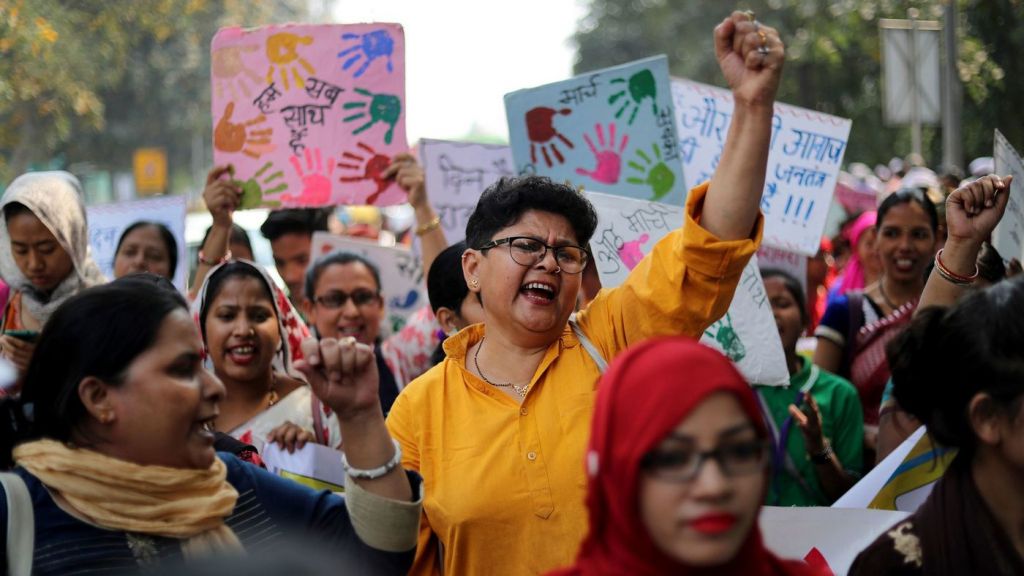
[(763, 37)]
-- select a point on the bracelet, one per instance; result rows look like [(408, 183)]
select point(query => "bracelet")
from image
[(374, 473), (204, 260), (953, 277), (432, 225), (823, 457)]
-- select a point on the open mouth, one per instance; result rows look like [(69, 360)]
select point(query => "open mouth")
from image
[(539, 292), (905, 264), (243, 355), (206, 426)]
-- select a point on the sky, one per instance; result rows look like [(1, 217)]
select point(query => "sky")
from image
[(463, 56)]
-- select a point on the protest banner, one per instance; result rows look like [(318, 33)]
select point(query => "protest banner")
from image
[(612, 129), (401, 274), (819, 534), (1008, 237), (806, 152), (313, 465), (310, 115), (769, 258), (108, 221), (456, 174), (628, 229)]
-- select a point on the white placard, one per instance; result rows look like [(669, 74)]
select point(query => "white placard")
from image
[(806, 153), (316, 466), (839, 535), (863, 492), (108, 221), (628, 229), (401, 274), (1008, 237), (789, 262), (457, 173)]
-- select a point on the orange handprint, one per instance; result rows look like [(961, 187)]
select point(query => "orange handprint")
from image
[(231, 137), (282, 50), (228, 69)]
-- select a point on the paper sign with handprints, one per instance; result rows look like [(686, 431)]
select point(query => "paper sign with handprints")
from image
[(310, 115), (612, 130)]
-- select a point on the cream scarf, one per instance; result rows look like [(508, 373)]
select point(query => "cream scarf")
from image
[(187, 504)]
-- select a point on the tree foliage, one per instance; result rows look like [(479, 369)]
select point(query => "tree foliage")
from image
[(833, 59)]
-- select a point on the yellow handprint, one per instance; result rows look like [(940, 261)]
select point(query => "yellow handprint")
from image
[(282, 50)]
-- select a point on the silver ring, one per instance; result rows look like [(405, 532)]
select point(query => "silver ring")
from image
[(763, 50)]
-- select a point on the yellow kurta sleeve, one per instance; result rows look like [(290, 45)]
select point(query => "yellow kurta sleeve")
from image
[(684, 285)]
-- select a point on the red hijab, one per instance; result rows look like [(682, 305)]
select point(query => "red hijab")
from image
[(644, 395)]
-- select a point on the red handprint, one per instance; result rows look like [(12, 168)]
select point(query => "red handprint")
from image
[(609, 160), (373, 169), (540, 129), (316, 180)]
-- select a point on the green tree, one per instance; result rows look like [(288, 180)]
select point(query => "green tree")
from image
[(833, 59)]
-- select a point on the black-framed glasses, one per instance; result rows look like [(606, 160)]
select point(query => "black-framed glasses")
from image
[(527, 251), (336, 298), (683, 465)]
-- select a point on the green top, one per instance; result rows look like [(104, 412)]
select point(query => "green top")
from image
[(842, 424)]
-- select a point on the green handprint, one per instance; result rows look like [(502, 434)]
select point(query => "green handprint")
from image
[(728, 339), (641, 85), (658, 176), (385, 108), (252, 189)]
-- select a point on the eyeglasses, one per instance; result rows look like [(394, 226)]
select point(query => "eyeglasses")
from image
[(527, 251), (684, 465), (336, 299)]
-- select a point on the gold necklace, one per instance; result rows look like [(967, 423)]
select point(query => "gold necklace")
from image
[(520, 390)]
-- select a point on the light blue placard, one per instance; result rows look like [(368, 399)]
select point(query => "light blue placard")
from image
[(611, 130)]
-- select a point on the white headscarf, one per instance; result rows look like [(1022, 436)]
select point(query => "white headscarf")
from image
[(55, 198)]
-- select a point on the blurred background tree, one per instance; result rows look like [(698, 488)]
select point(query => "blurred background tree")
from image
[(833, 60)]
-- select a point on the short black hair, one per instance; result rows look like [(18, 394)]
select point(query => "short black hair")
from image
[(792, 286), (170, 243), (906, 196), (338, 257), (504, 202), (294, 221), (446, 285)]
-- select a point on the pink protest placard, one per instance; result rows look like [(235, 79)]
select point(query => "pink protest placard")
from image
[(310, 115)]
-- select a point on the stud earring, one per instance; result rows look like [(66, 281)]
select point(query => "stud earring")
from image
[(474, 282)]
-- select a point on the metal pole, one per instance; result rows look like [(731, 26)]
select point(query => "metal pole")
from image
[(952, 147), (915, 119)]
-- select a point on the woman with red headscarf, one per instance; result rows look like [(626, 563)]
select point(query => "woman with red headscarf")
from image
[(677, 467)]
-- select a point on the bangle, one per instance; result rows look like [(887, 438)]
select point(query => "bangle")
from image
[(204, 260), (953, 277), (432, 225), (823, 457), (374, 473)]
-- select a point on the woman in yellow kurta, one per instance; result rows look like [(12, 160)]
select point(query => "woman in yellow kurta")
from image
[(498, 430)]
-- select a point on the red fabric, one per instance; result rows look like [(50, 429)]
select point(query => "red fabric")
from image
[(646, 392)]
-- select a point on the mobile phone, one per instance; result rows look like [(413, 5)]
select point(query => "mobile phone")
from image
[(29, 336)]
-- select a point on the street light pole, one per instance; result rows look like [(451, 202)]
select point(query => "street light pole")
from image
[(952, 93)]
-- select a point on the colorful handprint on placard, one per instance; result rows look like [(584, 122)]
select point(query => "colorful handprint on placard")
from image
[(255, 188), (630, 252), (283, 53), (384, 108), (248, 137), (655, 173), (315, 178), (727, 337), (369, 47), (540, 129), (639, 86), (230, 72), (609, 158), (372, 166)]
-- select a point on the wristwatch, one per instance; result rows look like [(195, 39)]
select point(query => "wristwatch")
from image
[(823, 457)]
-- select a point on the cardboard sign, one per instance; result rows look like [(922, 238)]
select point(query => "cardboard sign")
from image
[(1008, 237), (457, 173), (806, 153), (611, 130), (401, 274), (107, 222), (628, 229), (827, 535), (315, 466), (310, 115)]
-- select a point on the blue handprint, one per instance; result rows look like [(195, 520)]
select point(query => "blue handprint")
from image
[(408, 302), (370, 46)]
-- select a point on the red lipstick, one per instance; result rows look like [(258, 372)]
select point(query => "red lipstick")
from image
[(713, 524)]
